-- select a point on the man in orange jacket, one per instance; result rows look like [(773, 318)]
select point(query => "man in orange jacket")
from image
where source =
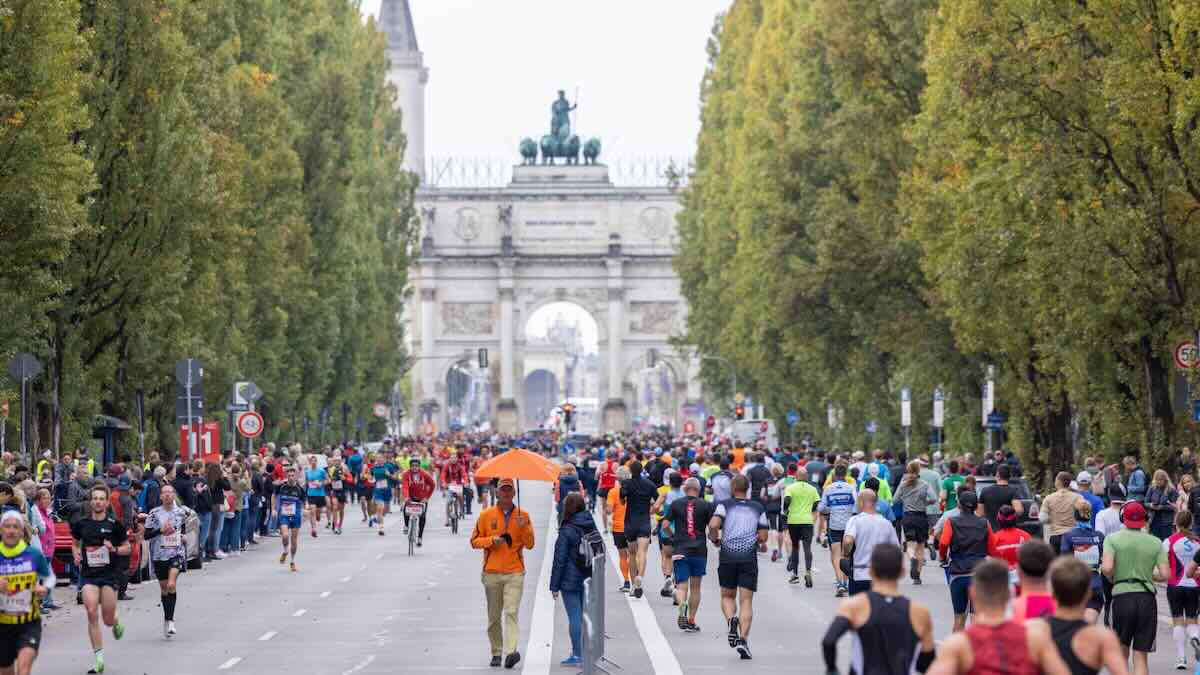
[(503, 532)]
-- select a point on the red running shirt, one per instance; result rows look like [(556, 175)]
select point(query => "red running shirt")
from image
[(1000, 650)]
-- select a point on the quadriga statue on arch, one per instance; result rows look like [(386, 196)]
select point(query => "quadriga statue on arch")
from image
[(560, 143)]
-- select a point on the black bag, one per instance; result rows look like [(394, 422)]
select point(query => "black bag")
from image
[(590, 545)]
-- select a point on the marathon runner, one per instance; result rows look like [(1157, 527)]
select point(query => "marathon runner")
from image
[(339, 487), (607, 479), (888, 627), (739, 526), (365, 485), (24, 572), (1134, 560), (291, 498), (1033, 564), (667, 494), (962, 545), (864, 531), (1183, 596), (1005, 543), (383, 475), (688, 517), (315, 478), (615, 510), (164, 529), (1083, 646), (836, 507), (418, 487), (1086, 544), (993, 644), (638, 493), (800, 501), (96, 540)]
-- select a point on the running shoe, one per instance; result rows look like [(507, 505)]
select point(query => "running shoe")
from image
[(808, 579), (293, 567), (171, 629), (570, 661), (118, 630), (1181, 664), (743, 649), (842, 591), (794, 579), (682, 619), (775, 555), (637, 592), (734, 635), (1196, 647), (381, 531), (99, 665), (418, 541), (314, 534), (625, 587), (692, 628), (283, 557)]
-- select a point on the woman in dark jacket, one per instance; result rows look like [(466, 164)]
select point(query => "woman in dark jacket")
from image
[(568, 482), (566, 578)]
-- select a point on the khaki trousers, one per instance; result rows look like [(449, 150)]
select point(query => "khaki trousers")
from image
[(503, 593)]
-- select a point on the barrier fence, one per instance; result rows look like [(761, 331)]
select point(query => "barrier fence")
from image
[(594, 635)]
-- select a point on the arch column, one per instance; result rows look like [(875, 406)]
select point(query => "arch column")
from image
[(507, 414), (614, 409)]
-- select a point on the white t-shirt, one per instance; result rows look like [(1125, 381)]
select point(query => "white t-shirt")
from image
[(868, 530), (1185, 551), (1108, 521)]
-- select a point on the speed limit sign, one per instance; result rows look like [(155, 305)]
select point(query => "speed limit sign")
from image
[(250, 424)]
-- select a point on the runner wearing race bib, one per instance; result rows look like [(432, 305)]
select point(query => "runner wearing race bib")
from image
[(1086, 544), (291, 503), (382, 476), (315, 479), (23, 572), (164, 530), (338, 480), (97, 539), (1183, 595)]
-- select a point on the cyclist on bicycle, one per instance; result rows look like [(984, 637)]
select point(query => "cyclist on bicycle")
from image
[(453, 478), (419, 487)]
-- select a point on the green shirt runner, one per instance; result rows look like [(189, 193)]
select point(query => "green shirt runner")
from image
[(1136, 554), (803, 496), (950, 485)]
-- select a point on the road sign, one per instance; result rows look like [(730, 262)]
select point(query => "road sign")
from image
[(1196, 411), (483, 357), (906, 407), (246, 392), (739, 397), (1186, 355), (989, 396), (250, 424), (793, 418), (939, 408), (996, 420), (186, 366), (379, 410), (710, 422), (689, 427), (872, 427), (208, 437), (24, 366)]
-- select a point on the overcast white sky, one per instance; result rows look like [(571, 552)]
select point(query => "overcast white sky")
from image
[(495, 67)]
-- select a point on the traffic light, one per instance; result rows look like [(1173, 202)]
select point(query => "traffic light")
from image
[(739, 412), (568, 410)]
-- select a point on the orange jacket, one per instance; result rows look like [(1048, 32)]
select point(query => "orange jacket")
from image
[(500, 558)]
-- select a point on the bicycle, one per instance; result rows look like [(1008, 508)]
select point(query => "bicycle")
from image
[(414, 511), (454, 509)]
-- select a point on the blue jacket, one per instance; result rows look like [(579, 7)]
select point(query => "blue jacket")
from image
[(1136, 484), (566, 575)]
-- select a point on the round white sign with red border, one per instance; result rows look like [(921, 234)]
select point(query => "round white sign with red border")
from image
[(1186, 355), (250, 424)]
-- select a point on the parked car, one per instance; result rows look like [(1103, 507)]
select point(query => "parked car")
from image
[(63, 561), (1029, 519)]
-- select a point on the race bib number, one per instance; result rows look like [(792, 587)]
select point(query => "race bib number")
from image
[(97, 556), (314, 485), (173, 540), (337, 485), (381, 484), (1089, 555), (594, 463), (456, 489), (414, 509), (288, 509), (16, 603)]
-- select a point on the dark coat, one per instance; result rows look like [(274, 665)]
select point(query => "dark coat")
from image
[(566, 575)]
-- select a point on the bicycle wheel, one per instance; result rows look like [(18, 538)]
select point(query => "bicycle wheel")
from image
[(412, 535)]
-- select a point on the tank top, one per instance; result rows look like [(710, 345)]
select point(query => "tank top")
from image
[(1062, 631), (1000, 650), (886, 644)]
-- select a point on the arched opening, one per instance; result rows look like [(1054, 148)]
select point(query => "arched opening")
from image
[(562, 362), (653, 395), (467, 398)]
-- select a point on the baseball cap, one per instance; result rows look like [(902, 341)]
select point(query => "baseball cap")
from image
[(1133, 515), (507, 482), (968, 500), (1083, 477)]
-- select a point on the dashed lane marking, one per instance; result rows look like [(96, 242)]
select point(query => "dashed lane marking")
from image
[(300, 612), (267, 636), (230, 663), (346, 580), (326, 594), (361, 664)]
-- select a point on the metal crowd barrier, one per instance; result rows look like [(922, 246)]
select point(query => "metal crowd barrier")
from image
[(594, 635)]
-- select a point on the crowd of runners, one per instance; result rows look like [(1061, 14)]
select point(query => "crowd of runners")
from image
[(1065, 583)]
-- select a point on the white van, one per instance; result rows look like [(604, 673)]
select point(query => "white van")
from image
[(747, 433)]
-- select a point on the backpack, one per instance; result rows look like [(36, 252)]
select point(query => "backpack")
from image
[(144, 494), (591, 544)]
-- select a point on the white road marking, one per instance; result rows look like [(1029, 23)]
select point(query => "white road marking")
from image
[(267, 636), (541, 626), (346, 580), (230, 663), (361, 664), (662, 657), (362, 569), (300, 612), (379, 557), (326, 594)]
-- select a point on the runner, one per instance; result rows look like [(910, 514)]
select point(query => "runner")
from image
[(993, 644), (24, 571), (916, 495), (1086, 544), (340, 486), (780, 479), (291, 506), (668, 493), (836, 507), (688, 517), (639, 493), (800, 501), (315, 478), (615, 510), (864, 531), (888, 627), (1005, 543), (1133, 560), (1083, 647), (1183, 596), (1033, 564), (383, 475), (719, 481), (964, 545), (164, 529), (418, 487), (96, 539), (739, 526)]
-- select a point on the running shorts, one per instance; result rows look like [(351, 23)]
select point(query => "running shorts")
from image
[(635, 530), (854, 586), (381, 496), (690, 566), (317, 501), (339, 495), (603, 492), (960, 593), (834, 536), (916, 528), (1184, 601), (162, 568), (732, 575), (619, 540), (1135, 620), (776, 521), (99, 581), (15, 637), (293, 521)]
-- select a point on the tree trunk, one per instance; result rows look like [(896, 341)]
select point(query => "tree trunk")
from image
[(1158, 396)]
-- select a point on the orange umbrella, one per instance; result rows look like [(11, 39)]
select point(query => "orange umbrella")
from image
[(519, 464)]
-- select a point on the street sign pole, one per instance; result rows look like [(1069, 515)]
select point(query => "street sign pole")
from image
[(139, 400), (24, 414)]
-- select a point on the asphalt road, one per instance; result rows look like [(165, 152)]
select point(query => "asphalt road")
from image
[(361, 605)]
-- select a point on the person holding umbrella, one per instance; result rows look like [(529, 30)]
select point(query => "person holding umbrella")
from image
[(503, 532)]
